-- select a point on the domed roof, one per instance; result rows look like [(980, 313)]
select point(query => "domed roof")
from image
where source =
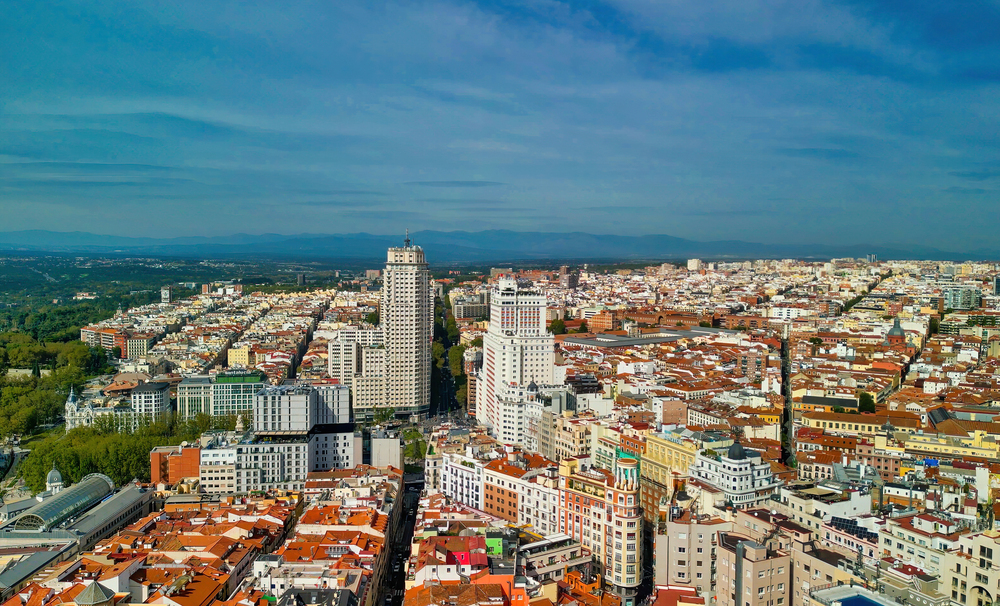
[(896, 330), (736, 452), (54, 476), (94, 594)]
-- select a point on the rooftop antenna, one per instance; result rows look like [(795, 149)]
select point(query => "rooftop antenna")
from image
[(406, 242)]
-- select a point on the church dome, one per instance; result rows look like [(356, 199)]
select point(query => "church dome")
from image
[(896, 330), (54, 478)]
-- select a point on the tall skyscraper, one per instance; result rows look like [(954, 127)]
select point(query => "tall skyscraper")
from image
[(517, 351), (407, 319)]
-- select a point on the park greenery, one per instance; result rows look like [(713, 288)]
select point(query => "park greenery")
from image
[(31, 399), (100, 449)]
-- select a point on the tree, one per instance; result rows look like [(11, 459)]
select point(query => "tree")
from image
[(455, 360), (705, 324), (462, 394), (838, 409), (372, 318), (557, 327), (478, 341), (452, 329), (815, 342), (437, 352), (116, 351), (866, 403), (383, 414), (583, 327)]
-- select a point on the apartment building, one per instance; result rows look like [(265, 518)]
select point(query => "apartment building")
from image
[(750, 573), (407, 320), (686, 547), (539, 503), (601, 509), (194, 397), (462, 478), (922, 539), (970, 573), (811, 503), (741, 474), (572, 437), (279, 460)]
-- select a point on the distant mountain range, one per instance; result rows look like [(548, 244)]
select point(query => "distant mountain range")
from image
[(458, 247)]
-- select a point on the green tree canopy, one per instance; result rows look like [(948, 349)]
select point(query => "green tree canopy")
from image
[(866, 403), (557, 327)]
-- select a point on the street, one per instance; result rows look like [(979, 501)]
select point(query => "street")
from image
[(400, 549)]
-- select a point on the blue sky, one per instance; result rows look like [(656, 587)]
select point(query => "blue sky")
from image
[(763, 120)]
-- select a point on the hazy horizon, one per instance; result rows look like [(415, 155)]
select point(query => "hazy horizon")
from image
[(811, 122)]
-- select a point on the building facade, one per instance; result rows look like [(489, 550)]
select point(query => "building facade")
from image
[(407, 320), (601, 510), (517, 349), (742, 475)]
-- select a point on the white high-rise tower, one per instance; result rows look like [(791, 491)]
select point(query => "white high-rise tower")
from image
[(407, 320), (517, 351)]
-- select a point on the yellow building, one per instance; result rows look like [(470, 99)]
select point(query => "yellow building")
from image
[(241, 356), (974, 446)]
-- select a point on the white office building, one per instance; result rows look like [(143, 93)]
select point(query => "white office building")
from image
[(299, 408), (151, 401), (517, 351)]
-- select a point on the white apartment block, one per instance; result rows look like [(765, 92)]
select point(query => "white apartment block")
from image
[(921, 540), (742, 475), (284, 408), (299, 408), (811, 507), (151, 400), (345, 359), (281, 463), (333, 404), (462, 478), (539, 503), (407, 321), (517, 351)]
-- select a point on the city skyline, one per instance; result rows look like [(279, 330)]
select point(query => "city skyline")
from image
[(708, 121)]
